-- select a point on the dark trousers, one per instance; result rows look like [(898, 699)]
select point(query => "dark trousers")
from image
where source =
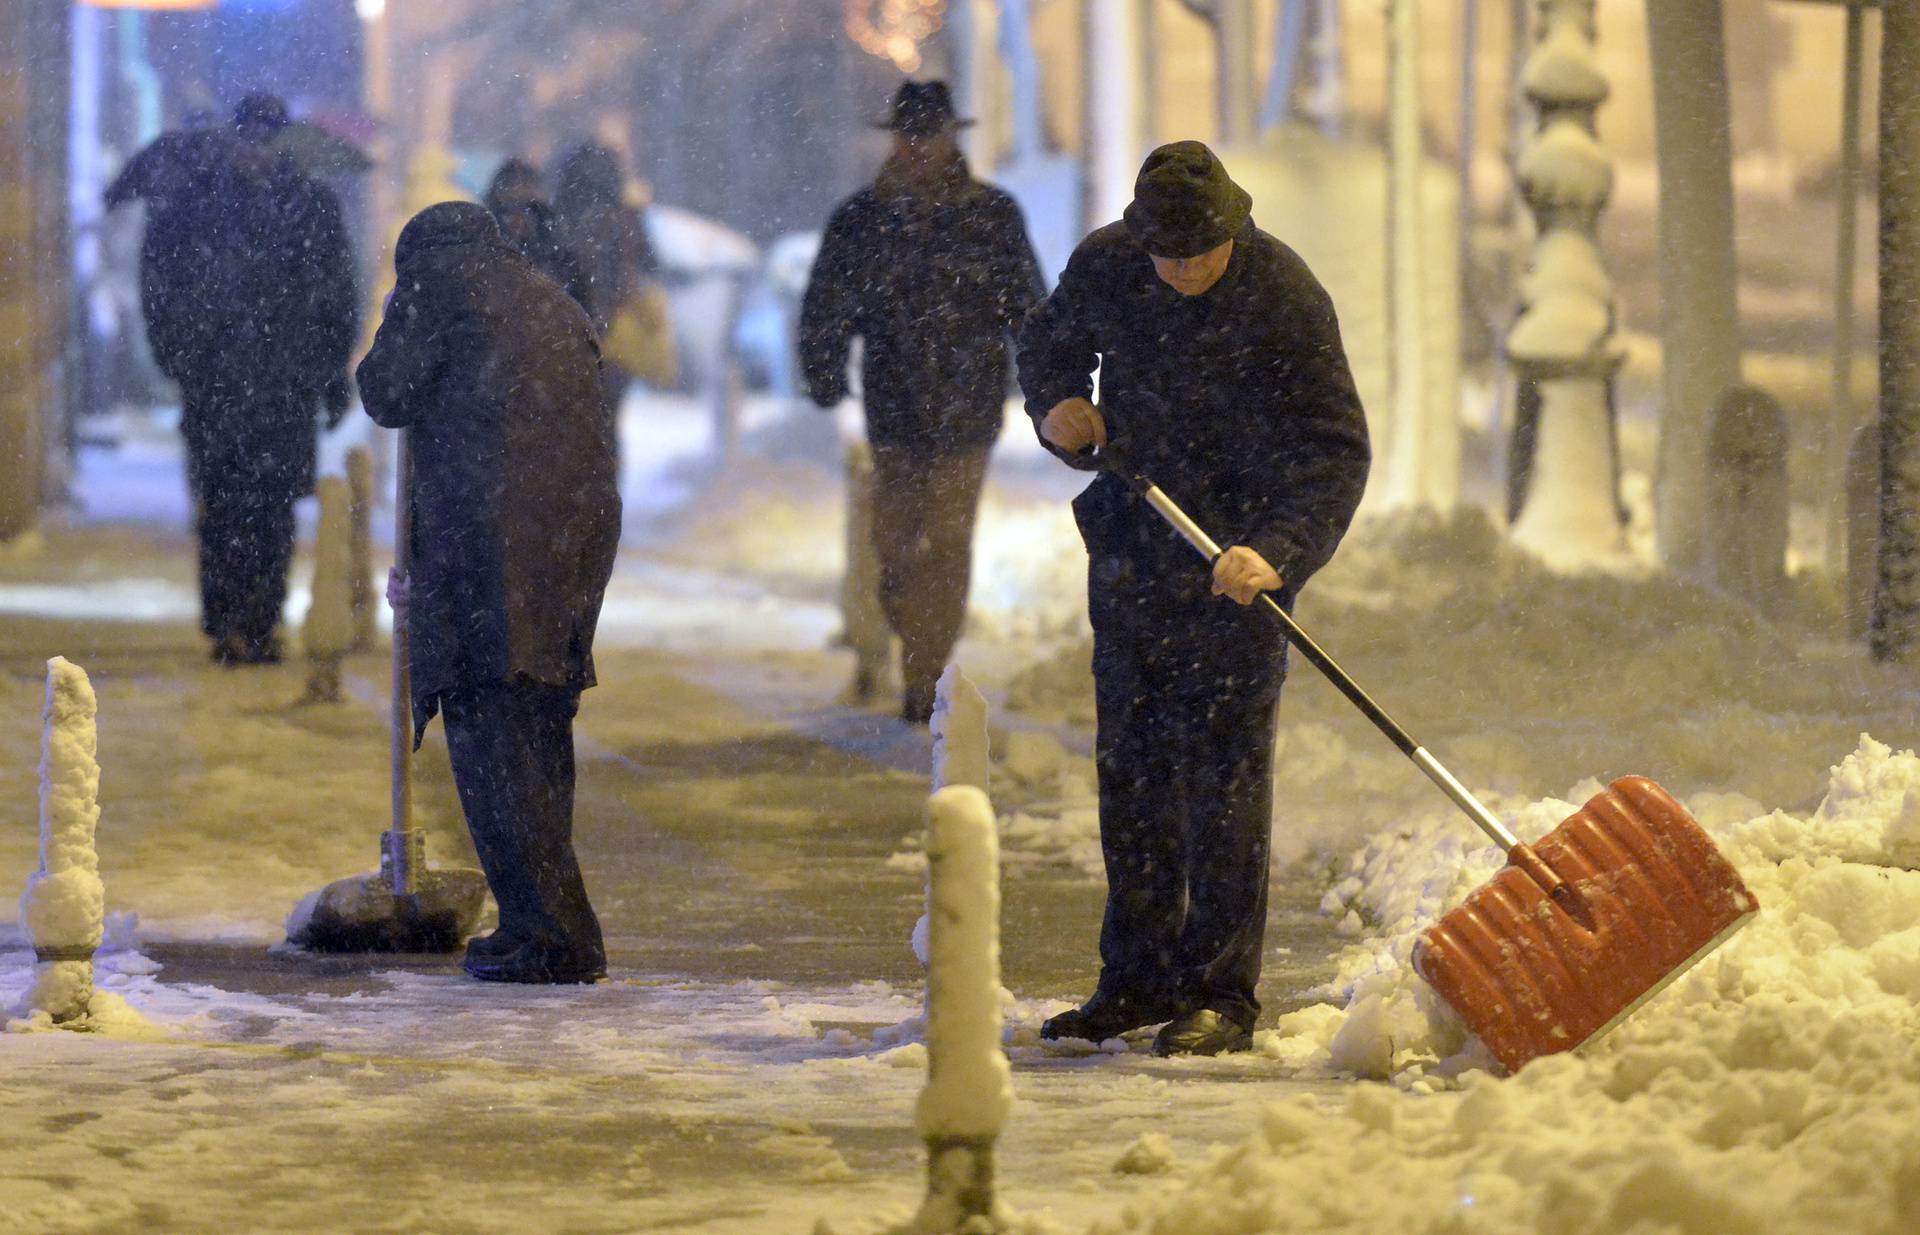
[(511, 745), (249, 459), (246, 545), (924, 507), (1187, 688)]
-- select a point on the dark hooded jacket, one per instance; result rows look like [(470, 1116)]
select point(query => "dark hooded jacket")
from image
[(1237, 402), (516, 511), (934, 283)]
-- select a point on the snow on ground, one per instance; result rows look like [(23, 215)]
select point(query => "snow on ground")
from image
[(1773, 1090)]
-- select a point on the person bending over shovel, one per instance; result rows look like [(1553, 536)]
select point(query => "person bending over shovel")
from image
[(494, 373), (1222, 378)]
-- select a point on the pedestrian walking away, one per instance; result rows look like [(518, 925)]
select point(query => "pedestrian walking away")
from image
[(492, 370), (1223, 377), (246, 283), (933, 270)]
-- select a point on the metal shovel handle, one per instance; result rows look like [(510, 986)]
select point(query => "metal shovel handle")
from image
[(403, 849), (1195, 535)]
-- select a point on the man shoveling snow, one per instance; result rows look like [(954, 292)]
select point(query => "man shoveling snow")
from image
[(1222, 373)]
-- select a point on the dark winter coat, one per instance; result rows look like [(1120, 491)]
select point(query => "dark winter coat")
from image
[(246, 282), (246, 271), (516, 510), (935, 284), (1237, 402)]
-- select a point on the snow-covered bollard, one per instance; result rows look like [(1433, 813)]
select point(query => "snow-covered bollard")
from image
[(360, 591), (959, 729), (863, 622), (327, 635), (63, 909), (969, 1085)]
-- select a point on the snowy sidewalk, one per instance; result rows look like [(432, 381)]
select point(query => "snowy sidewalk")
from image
[(750, 1066)]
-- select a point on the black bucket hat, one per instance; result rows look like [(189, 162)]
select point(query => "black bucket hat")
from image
[(1184, 203), (920, 109)]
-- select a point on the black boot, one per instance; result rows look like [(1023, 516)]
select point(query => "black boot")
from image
[(1108, 1016), (493, 946), (538, 963), (1204, 1031)]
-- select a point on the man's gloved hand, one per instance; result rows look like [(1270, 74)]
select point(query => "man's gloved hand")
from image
[(335, 398), (1074, 425), (1243, 574)]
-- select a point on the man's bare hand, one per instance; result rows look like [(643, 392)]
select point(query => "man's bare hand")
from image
[(1073, 425), (1243, 574)]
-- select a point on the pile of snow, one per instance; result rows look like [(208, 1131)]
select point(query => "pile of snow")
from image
[(1772, 1089), (1520, 680)]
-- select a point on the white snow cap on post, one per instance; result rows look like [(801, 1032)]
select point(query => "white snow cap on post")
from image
[(64, 906), (959, 732), (328, 631), (969, 1085)]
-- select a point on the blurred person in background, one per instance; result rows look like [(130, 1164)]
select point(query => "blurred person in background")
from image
[(519, 203), (934, 271), (246, 284), (601, 220)]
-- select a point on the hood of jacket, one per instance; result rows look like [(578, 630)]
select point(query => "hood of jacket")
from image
[(447, 225)]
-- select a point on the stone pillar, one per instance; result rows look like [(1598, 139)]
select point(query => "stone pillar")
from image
[(1746, 495)]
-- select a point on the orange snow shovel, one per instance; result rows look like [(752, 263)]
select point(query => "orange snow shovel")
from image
[(1576, 932)]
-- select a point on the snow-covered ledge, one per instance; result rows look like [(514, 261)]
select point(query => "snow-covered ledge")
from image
[(63, 909)]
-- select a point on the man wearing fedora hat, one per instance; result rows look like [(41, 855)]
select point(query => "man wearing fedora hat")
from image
[(1222, 378), (934, 271)]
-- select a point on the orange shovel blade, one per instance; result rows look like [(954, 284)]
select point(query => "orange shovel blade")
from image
[(1652, 895)]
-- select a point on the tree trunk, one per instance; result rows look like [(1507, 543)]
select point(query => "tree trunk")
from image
[(1699, 312), (1423, 450), (970, 32), (1016, 50), (1234, 41), (1289, 40), (1896, 603), (1114, 142)]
